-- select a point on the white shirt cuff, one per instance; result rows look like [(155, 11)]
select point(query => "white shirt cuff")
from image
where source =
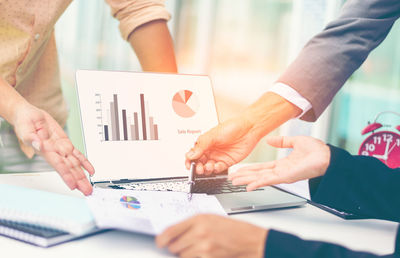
[(292, 96)]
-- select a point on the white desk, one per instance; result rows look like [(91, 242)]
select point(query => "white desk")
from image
[(307, 222)]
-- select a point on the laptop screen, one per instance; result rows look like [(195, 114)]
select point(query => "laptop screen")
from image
[(140, 125)]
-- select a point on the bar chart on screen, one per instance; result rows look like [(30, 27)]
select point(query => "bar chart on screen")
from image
[(140, 125), (117, 122)]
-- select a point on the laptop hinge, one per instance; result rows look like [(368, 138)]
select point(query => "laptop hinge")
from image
[(101, 182), (123, 181), (127, 181)]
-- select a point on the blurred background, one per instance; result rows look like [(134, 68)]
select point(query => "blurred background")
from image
[(244, 45)]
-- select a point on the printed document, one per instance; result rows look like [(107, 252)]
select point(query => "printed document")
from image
[(147, 212)]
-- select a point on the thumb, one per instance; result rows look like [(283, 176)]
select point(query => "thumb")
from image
[(32, 139), (29, 136), (203, 143), (281, 141)]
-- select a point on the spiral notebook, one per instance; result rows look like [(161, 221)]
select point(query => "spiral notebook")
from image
[(43, 218)]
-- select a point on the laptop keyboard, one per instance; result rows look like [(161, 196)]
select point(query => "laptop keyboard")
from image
[(208, 186), (174, 186), (217, 186)]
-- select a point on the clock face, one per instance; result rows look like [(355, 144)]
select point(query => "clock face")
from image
[(383, 145)]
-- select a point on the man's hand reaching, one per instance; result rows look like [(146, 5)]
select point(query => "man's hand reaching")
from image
[(223, 146), (231, 142)]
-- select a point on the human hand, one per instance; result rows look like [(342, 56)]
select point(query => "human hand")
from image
[(213, 236), (310, 158), (223, 146), (36, 128), (230, 142)]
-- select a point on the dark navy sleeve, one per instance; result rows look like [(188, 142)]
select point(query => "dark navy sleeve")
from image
[(356, 184), (283, 245), (360, 185)]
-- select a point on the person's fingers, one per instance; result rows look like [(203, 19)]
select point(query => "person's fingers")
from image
[(67, 176), (256, 179), (203, 143), (70, 171), (209, 167), (66, 161), (189, 155), (69, 180), (185, 240), (191, 252), (199, 168), (220, 166), (201, 249), (281, 141), (264, 181), (257, 167), (84, 186), (37, 145), (252, 169), (171, 233), (200, 165), (73, 156), (28, 135), (244, 180), (76, 168), (81, 180), (64, 147), (240, 174), (33, 140), (73, 161), (62, 169), (187, 163), (84, 161)]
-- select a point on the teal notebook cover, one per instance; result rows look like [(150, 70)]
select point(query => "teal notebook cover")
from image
[(67, 213)]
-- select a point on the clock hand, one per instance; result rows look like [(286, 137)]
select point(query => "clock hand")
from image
[(379, 156), (385, 155), (391, 148), (387, 150)]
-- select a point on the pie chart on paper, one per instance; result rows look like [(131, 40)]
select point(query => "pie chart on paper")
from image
[(185, 103), (130, 202)]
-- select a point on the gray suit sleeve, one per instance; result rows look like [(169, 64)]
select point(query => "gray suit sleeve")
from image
[(329, 58)]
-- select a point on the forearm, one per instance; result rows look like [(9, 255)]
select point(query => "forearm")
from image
[(268, 113), (330, 57), (9, 100), (153, 45)]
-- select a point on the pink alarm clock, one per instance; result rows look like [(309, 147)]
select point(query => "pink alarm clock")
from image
[(383, 144)]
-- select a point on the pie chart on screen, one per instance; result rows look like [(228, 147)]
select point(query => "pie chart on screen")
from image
[(185, 103)]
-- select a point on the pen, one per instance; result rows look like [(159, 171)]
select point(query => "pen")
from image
[(191, 179)]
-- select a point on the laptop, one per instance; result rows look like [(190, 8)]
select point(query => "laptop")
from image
[(138, 126)]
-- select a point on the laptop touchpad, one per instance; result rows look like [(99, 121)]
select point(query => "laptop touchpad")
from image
[(245, 201)]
